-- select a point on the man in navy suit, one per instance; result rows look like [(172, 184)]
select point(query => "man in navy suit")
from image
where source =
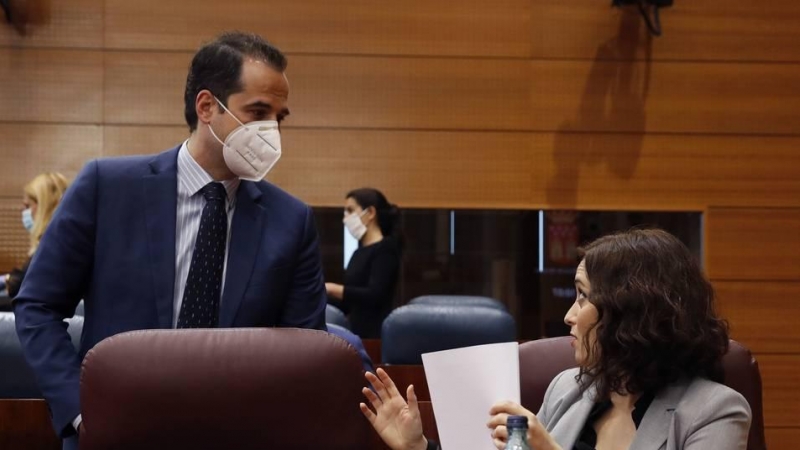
[(188, 238)]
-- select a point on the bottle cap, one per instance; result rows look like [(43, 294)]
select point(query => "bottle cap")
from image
[(517, 422)]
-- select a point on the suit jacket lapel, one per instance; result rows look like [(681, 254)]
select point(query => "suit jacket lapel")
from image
[(160, 204), (565, 431), (246, 232), (657, 421)]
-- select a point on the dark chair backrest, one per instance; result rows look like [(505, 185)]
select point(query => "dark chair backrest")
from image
[(541, 360), (411, 330), (458, 300), (336, 316), (16, 377), (224, 388), (743, 376), (5, 301)]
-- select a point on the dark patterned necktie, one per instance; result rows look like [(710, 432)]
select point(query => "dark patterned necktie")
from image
[(200, 307)]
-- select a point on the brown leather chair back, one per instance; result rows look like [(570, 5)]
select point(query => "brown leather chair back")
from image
[(743, 376), (225, 388), (541, 360)]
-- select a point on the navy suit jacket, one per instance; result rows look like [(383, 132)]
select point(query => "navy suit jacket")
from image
[(111, 242)]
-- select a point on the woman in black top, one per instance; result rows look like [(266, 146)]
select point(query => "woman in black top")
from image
[(371, 275)]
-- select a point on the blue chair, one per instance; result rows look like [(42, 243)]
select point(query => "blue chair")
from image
[(16, 377), (411, 330), (355, 341), (458, 300), (336, 316)]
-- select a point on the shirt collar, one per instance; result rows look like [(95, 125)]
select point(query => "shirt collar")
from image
[(192, 177)]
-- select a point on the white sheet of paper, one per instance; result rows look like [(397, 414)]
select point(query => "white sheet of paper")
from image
[(464, 383)]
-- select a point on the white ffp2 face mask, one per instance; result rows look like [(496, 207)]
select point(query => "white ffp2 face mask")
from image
[(354, 225), (252, 149)]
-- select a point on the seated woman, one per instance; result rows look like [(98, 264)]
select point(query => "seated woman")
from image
[(369, 282), (40, 198), (649, 346)]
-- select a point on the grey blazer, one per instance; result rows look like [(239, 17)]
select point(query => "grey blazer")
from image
[(693, 414)]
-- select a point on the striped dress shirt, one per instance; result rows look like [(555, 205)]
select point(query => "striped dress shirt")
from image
[(192, 178)]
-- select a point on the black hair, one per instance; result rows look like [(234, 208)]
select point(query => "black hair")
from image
[(217, 67)]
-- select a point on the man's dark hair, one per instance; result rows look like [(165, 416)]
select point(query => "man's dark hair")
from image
[(656, 315), (217, 67)]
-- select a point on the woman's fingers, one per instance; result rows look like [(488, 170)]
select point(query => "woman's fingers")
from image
[(497, 420), (387, 381), (380, 389), (510, 408), (373, 399), (367, 412), (412, 399), (500, 437)]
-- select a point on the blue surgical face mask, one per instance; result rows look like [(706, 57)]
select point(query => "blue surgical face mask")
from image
[(27, 219)]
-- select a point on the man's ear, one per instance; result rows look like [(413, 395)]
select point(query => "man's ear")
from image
[(204, 105)]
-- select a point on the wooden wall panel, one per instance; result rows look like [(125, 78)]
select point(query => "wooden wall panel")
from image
[(413, 168), (566, 170), (670, 97), (663, 171), (474, 94), (697, 30), (144, 88), (753, 244), (414, 27), (141, 140), (782, 438), (31, 149), (780, 376), (755, 311), (59, 23), (51, 85), (519, 170), (410, 93)]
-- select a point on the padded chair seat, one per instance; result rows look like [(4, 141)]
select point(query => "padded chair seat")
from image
[(336, 316), (411, 330)]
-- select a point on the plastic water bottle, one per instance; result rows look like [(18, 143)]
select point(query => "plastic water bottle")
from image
[(517, 433)]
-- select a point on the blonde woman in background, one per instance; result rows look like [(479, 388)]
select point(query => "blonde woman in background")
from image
[(41, 197)]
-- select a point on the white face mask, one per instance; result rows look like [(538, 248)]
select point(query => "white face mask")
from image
[(251, 149), (354, 225), (27, 219)]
